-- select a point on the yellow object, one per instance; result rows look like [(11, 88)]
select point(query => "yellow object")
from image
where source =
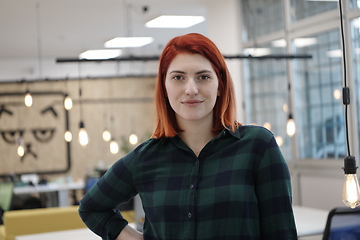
[(31, 221)]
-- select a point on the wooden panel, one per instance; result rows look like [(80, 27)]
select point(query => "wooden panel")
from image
[(124, 106)]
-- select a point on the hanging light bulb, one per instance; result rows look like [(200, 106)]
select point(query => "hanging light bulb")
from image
[(68, 136), (351, 191), (68, 102), (20, 151), (133, 139), (337, 94), (114, 147), (290, 127), (267, 125), (28, 99), (351, 195), (285, 107), (83, 136), (20, 148), (106, 135), (279, 140)]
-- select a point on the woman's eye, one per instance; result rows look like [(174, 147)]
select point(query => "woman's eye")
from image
[(204, 77), (177, 77)]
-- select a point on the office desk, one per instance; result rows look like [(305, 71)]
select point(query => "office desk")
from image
[(75, 234), (310, 221), (62, 190)]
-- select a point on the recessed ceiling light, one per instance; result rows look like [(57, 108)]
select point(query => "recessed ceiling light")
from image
[(279, 43), (299, 42), (356, 22), (322, 0), (334, 53), (100, 54), (304, 42), (257, 52), (172, 21), (128, 42)]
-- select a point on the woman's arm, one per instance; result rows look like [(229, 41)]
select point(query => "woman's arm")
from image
[(129, 233), (98, 207), (273, 189)]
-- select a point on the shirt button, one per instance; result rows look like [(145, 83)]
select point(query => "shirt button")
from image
[(197, 162), (189, 215), (191, 186)]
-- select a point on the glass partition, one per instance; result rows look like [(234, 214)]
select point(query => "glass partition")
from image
[(301, 9), (354, 4), (318, 104), (316, 83), (261, 18), (267, 94), (355, 36)]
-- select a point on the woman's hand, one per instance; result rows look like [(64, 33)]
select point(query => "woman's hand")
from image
[(129, 233)]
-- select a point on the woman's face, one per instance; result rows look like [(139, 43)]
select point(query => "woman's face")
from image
[(192, 87)]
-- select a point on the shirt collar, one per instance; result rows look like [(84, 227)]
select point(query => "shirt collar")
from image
[(228, 132)]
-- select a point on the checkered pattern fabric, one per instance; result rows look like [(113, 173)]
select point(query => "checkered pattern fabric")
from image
[(237, 188)]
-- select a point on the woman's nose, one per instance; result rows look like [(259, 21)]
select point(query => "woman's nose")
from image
[(191, 87)]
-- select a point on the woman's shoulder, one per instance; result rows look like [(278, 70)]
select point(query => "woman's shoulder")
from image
[(254, 131), (152, 144), (149, 145)]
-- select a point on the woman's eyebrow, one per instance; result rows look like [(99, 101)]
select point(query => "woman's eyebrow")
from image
[(204, 71), (182, 72), (177, 71)]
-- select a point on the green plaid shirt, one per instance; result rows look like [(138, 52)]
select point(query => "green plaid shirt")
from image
[(237, 188)]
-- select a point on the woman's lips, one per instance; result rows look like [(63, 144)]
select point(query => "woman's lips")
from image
[(192, 103)]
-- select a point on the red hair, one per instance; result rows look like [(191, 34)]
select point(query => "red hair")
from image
[(224, 109)]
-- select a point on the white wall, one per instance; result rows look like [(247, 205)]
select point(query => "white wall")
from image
[(321, 192), (224, 29), (317, 183), (16, 69)]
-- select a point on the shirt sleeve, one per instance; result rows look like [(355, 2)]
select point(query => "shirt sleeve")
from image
[(97, 208), (273, 190)]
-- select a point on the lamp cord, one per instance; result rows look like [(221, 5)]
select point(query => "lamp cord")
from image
[(39, 46), (80, 93), (346, 92)]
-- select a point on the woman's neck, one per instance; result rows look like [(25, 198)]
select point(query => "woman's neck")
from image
[(196, 135)]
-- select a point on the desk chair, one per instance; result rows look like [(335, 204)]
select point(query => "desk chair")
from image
[(343, 223), (6, 194)]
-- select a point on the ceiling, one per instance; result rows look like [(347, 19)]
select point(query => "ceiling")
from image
[(65, 28)]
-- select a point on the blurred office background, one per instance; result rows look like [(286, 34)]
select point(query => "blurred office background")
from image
[(40, 46)]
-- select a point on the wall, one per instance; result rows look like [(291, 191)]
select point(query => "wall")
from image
[(16, 69), (317, 183), (224, 28), (320, 188), (122, 105)]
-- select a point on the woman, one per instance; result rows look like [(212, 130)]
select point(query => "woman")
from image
[(202, 175)]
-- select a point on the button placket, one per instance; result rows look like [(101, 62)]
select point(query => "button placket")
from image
[(192, 189), (192, 183)]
